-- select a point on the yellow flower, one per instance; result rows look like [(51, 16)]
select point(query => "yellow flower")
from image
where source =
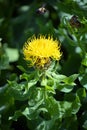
[(40, 51)]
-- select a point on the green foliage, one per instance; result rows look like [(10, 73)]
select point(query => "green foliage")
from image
[(37, 92), (52, 99)]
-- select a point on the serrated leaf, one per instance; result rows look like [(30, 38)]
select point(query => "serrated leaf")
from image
[(70, 80), (19, 91), (33, 112), (66, 84)]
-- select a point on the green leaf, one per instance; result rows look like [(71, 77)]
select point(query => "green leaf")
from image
[(50, 89), (83, 80), (61, 109), (32, 113), (68, 122), (25, 76), (76, 105), (16, 115), (62, 78), (85, 125), (64, 83), (20, 91), (45, 125), (6, 100), (84, 61), (30, 76), (57, 109), (44, 82), (21, 68), (12, 54), (59, 77), (35, 104), (65, 87), (70, 80), (81, 92)]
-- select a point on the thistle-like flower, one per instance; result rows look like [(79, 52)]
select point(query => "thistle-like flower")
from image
[(41, 51)]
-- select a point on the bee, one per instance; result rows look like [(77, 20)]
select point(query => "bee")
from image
[(41, 10), (74, 22)]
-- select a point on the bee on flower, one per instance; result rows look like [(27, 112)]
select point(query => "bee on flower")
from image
[(40, 51)]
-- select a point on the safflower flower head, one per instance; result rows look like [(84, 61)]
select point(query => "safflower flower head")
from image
[(40, 51)]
